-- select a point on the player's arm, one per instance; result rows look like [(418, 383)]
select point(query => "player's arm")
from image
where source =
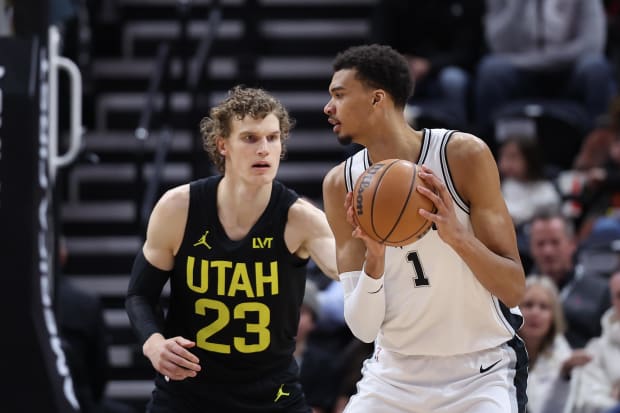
[(151, 270), (364, 295), (308, 227), (491, 251)]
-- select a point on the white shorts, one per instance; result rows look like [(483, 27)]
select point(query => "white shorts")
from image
[(488, 381)]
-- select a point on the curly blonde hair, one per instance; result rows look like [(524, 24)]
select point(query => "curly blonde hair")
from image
[(241, 102)]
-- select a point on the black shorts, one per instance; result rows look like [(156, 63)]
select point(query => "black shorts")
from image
[(279, 392)]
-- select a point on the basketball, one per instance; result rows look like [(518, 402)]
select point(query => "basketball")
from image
[(386, 203)]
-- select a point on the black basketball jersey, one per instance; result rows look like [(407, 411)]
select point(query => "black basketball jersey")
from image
[(238, 300)]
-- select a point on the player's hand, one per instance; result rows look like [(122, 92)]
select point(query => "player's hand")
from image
[(373, 248), (449, 228), (170, 357)]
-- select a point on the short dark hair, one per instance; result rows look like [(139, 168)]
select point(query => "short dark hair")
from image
[(532, 154), (381, 67), (549, 215), (241, 102)]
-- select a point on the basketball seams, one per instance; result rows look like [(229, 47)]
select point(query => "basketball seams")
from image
[(380, 209), (404, 207), (374, 198)]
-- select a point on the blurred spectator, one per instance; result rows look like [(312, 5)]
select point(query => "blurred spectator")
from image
[(593, 184), (353, 358), (584, 298), (330, 331), (6, 17), (547, 348), (594, 151), (525, 187), (441, 39), (319, 373), (543, 49), (602, 188), (596, 386), (85, 341), (612, 10)]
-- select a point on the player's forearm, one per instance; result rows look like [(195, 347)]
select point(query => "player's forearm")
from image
[(364, 304), (145, 286), (501, 276)]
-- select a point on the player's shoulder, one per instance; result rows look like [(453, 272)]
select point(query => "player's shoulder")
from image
[(174, 200), (334, 179), (466, 147), (303, 209)]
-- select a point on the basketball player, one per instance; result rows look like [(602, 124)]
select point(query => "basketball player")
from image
[(438, 309), (234, 248)]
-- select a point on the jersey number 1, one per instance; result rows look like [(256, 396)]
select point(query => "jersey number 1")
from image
[(419, 279)]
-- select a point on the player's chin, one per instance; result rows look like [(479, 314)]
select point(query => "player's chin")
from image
[(345, 140), (265, 175)]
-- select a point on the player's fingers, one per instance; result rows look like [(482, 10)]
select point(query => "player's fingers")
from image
[(182, 345), (183, 362), (348, 200), (176, 372), (432, 196), (182, 341)]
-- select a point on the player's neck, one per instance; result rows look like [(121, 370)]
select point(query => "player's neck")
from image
[(240, 205), (395, 143)]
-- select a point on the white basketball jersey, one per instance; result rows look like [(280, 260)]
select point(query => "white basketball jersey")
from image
[(434, 303)]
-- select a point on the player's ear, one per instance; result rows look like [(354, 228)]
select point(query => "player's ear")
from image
[(221, 146), (377, 96)]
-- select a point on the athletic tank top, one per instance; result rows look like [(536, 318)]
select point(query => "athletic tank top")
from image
[(238, 300), (434, 303)]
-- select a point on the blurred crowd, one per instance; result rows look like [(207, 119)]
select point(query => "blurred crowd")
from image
[(538, 81)]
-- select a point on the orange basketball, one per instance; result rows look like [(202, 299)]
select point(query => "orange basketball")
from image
[(386, 203)]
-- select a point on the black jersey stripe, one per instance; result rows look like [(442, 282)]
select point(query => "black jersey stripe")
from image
[(426, 138), (447, 175), (348, 174)]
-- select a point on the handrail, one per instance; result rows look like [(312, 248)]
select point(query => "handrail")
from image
[(160, 82), (202, 53), (161, 65)]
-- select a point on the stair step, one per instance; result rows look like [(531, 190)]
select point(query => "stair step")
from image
[(84, 177), (130, 104), (275, 67), (130, 389), (302, 37), (141, 9), (98, 212)]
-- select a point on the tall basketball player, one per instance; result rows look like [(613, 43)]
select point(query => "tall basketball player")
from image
[(438, 309), (234, 248)]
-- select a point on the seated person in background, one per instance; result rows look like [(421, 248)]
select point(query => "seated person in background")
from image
[(596, 386), (584, 297), (524, 186), (547, 348), (318, 373), (85, 339), (441, 40), (543, 49), (602, 188)]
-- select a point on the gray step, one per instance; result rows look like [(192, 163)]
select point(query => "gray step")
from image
[(129, 389), (219, 67), (136, 33), (108, 245), (304, 3), (133, 102), (98, 212), (301, 140), (126, 141), (173, 174)]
